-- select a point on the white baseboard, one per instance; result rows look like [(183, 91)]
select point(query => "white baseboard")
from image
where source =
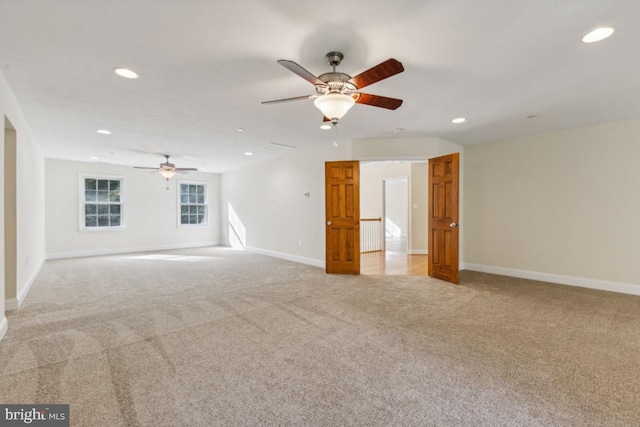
[(99, 252), (417, 252), (13, 304), (289, 257), (3, 327), (583, 282)]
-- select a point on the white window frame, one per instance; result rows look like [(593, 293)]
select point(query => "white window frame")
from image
[(82, 201), (206, 203)]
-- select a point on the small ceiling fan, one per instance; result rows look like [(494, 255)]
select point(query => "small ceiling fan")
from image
[(167, 169), (337, 92)]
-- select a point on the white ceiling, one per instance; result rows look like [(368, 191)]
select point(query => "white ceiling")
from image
[(206, 65)]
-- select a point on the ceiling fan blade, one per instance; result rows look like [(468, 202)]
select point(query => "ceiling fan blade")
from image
[(379, 101), (385, 69), (299, 70), (186, 169), (143, 167), (297, 98)]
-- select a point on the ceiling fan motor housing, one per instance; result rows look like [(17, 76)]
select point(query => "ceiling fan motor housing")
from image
[(167, 165), (335, 83)]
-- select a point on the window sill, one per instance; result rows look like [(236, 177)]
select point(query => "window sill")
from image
[(102, 229)]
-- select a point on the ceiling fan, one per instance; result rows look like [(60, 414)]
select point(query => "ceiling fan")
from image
[(167, 169), (337, 92)]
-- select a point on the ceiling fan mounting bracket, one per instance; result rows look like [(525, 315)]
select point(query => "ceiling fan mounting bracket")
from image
[(334, 58)]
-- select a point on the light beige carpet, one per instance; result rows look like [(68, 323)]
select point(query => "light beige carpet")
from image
[(213, 336)]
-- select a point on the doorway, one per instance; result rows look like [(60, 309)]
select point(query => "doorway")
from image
[(345, 195), (395, 193), (10, 217)]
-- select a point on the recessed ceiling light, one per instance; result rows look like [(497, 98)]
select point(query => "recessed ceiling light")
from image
[(248, 153), (104, 131), (459, 120), (94, 158), (598, 34), (398, 130), (126, 73), (325, 127), (240, 130)]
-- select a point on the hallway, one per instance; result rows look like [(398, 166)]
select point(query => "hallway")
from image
[(394, 262)]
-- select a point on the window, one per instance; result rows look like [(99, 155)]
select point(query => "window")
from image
[(193, 203), (102, 206)]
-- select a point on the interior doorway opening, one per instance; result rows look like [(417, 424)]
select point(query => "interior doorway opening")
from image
[(10, 217), (439, 236), (393, 226)]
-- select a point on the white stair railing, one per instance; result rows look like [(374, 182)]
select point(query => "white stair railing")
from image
[(371, 235)]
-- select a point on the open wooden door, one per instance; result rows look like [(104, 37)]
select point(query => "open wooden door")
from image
[(443, 217), (342, 188)]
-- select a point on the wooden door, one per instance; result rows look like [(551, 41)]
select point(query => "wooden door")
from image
[(443, 217), (342, 222)]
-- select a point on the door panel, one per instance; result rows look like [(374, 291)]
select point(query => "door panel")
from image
[(342, 222), (443, 217)]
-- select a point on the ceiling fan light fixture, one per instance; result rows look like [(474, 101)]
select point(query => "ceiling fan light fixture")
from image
[(334, 105), (167, 174)]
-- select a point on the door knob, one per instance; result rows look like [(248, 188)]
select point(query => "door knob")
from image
[(453, 225), (329, 223)]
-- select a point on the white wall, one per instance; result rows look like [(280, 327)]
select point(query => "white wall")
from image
[(419, 207), (30, 211), (561, 206), (396, 207), (269, 203), (3, 318), (29, 199), (372, 176), (403, 149), (150, 212)]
